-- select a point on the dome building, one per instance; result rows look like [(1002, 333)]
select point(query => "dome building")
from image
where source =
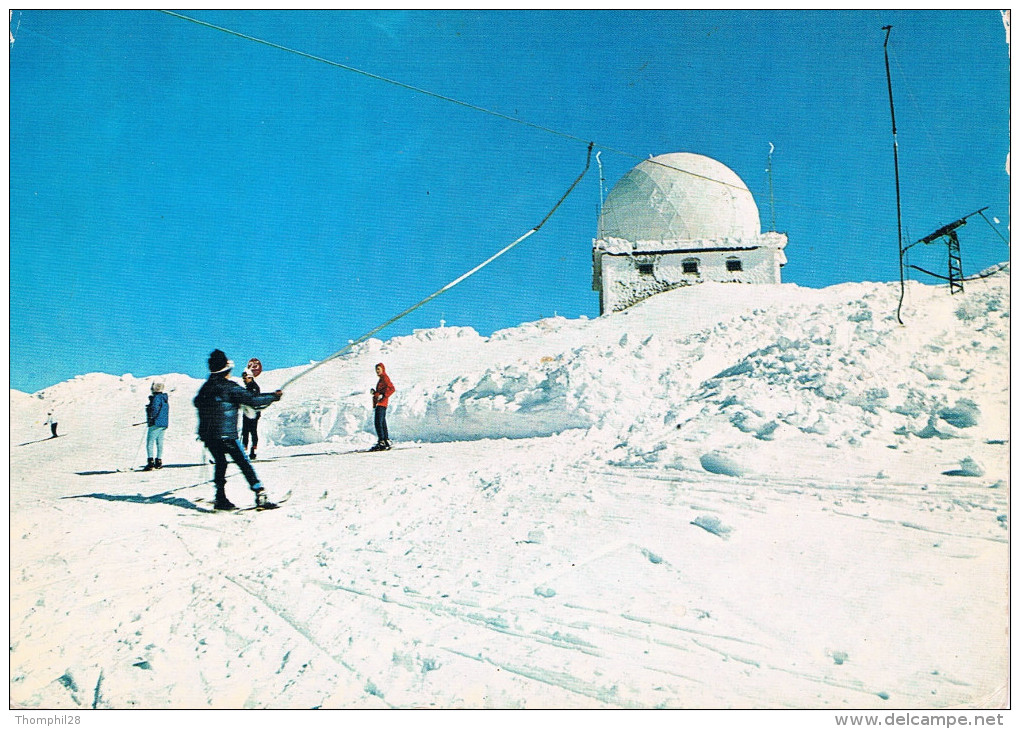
[(675, 220)]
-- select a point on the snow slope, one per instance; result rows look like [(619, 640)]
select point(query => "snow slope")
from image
[(726, 496)]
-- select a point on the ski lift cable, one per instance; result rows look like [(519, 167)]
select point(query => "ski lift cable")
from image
[(789, 203), (904, 78), (980, 212), (975, 277), (931, 142), (1004, 240), (435, 95), (896, 167), (448, 286), (905, 81)]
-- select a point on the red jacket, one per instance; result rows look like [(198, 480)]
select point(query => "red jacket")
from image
[(383, 389)]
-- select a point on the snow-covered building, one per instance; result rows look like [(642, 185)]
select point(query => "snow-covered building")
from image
[(676, 220)]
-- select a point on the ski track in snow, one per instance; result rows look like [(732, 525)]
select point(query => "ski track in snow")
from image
[(713, 513)]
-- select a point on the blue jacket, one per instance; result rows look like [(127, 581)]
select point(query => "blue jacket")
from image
[(157, 412), (218, 401)]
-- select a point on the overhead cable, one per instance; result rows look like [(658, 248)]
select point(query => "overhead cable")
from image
[(975, 277), (433, 94)]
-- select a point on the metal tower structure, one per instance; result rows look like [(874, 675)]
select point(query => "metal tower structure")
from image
[(948, 232)]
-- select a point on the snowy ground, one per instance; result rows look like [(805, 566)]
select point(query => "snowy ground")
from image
[(725, 497)]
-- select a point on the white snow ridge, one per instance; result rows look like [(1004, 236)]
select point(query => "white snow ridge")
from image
[(725, 496)]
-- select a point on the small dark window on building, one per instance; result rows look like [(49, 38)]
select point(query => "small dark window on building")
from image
[(690, 266), (646, 269), (734, 264)]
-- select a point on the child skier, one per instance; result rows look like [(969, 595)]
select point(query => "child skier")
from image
[(217, 402)]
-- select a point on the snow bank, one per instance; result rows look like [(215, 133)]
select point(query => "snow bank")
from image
[(833, 365), (710, 369)]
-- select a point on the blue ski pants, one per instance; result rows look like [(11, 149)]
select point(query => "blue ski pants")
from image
[(380, 423), (154, 441)]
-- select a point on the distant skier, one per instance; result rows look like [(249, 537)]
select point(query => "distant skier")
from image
[(250, 416), (52, 422), (380, 399), (157, 415), (217, 402)]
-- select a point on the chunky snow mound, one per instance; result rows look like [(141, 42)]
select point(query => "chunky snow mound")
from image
[(717, 364)]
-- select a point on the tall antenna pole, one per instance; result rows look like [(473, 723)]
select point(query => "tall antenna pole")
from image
[(896, 164), (772, 197), (602, 197)]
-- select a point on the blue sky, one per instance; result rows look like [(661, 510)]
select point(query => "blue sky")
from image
[(175, 189)]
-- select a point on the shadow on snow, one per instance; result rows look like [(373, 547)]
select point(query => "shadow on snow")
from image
[(41, 440), (139, 469), (164, 498)]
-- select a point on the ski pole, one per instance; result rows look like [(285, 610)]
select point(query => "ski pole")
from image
[(134, 460), (205, 465)]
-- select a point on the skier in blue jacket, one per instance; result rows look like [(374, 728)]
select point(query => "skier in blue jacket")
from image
[(157, 415), (218, 401)]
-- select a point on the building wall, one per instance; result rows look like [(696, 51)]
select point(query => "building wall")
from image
[(628, 278)]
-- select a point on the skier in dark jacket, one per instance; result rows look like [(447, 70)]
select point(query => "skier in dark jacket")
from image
[(217, 402), (157, 415), (380, 399)]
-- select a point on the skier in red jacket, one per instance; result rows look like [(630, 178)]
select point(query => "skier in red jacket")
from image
[(380, 399)]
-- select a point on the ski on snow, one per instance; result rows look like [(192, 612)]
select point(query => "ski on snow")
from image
[(337, 453), (239, 509), (275, 504)]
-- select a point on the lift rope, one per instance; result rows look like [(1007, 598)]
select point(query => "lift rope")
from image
[(982, 214), (975, 277), (433, 94), (448, 286)]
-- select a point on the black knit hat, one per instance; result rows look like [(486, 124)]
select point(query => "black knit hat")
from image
[(218, 361)]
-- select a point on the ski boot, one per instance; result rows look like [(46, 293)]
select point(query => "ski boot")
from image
[(262, 501), (159, 463), (387, 444), (251, 456), (222, 503), (150, 465)]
